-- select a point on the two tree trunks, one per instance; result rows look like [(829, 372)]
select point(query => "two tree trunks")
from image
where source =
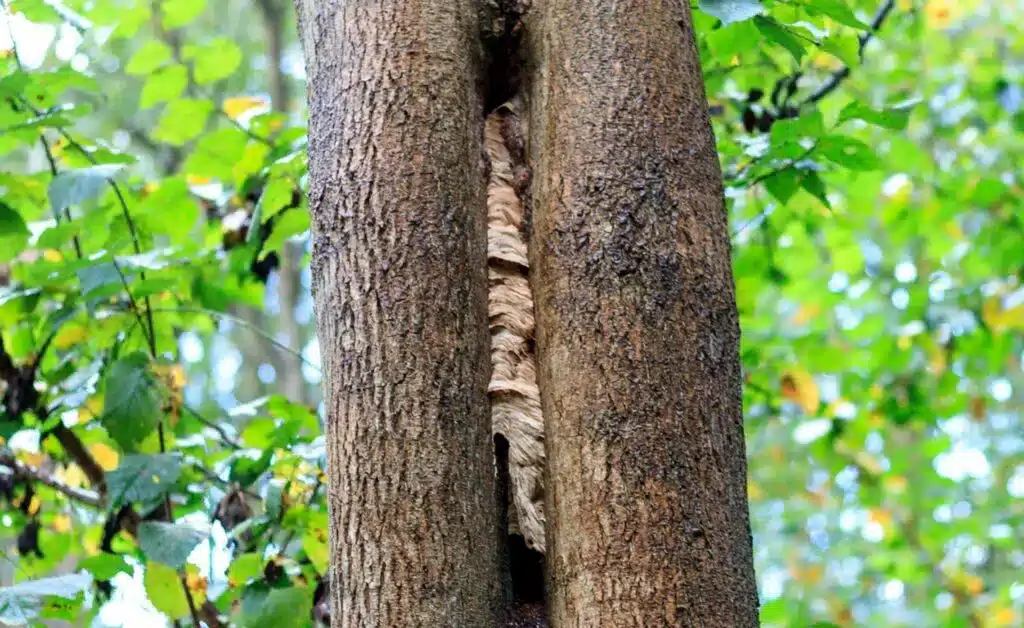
[(637, 332)]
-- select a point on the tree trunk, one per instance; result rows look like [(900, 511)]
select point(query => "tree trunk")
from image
[(400, 290), (638, 335)]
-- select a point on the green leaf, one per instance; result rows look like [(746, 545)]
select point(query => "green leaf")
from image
[(182, 120), (129, 19), (291, 223), (895, 118), (988, 191), (314, 544), (275, 498), (37, 11), (163, 587), (816, 187), (132, 403), (171, 210), (787, 136), (276, 196), (215, 60), (848, 152), (730, 11), (844, 47), (244, 568), (153, 54), (178, 13), (779, 34), (170, 543), (838, 11), (22, 603), (783, 184), (216, 153), (276, 608), (72, 187), (143, 478), (14, 232), (163, 85), (105, 566)]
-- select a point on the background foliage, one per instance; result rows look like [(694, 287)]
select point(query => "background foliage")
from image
[(160, 446)]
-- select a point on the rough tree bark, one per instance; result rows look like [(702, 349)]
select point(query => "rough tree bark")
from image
[(638, 335), (397, 198)]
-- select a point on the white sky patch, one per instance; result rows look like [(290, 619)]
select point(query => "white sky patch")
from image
[(892, 590), (905, 272), (191, 347), (810, 431), (962, 462), (311, 353), (266, 373), (894, 184), (1001, 390), (1015, 485), (31, 40)]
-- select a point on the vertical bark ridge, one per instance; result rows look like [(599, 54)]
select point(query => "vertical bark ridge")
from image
[(638, 336), (400, 290)]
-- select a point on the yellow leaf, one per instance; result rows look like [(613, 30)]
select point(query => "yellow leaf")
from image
[(62, 524), (999, 319), (177, 377), (72, 475), (941, 13), (105, 456), (69, 336), (33, 506), (754, 492), (974, 584), (32, 458), (52, 255), (806, 314), (825, 61), (903, 343), (880, 516), (798, 386), (937, 361), (193, 179), (1004, 617), (869, 463), (91, 546), (895, 483), (238, 105), (91, 409), (196, 583)]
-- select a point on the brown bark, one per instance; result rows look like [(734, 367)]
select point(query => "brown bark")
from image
[(638, 336), (399, 283)]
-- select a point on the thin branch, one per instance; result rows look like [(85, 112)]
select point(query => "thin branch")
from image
[(25, 472), (840, 75), (224, 436), (74, 448), (234, 319)]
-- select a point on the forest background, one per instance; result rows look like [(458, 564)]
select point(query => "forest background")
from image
[(157, 333)]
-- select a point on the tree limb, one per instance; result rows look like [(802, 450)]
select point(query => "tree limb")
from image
[(840, 75), (25, 472)]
